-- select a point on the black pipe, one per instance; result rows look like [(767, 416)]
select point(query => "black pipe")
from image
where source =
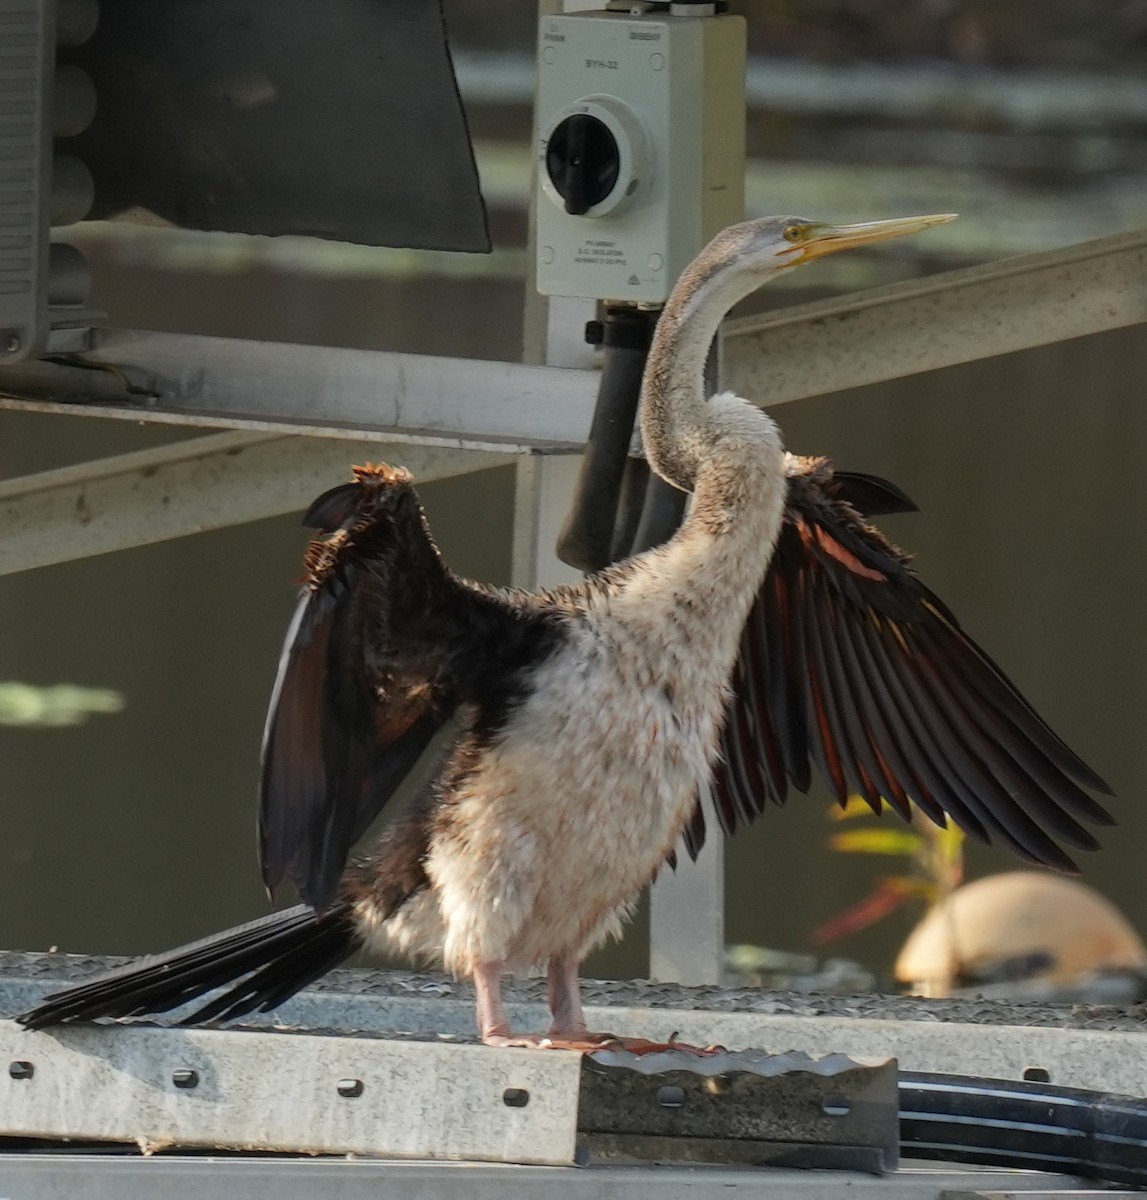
[(661, 513), (630, 505), (1028, 1126), (587, 538)]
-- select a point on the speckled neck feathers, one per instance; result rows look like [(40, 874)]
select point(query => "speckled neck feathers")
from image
[(680, 430)]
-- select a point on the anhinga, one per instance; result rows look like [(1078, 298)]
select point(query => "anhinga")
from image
[(777, 629)]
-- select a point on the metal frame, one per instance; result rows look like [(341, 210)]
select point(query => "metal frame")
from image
[(215, 382), (321, 1092), (940, 320), (297, 1077), (190, 487)]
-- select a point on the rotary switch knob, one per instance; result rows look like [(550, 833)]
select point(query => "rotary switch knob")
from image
[(583, 162), (596, 157)]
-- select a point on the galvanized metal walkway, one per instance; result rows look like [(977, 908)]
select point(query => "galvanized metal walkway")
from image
[(385, 1060)]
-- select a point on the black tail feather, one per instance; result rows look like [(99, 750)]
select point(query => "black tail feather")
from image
[(266, 960)]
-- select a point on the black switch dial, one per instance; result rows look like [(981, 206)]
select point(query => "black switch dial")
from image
[(583, 162)]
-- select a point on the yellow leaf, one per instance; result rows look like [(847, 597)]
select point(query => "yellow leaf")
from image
[(876, 841)]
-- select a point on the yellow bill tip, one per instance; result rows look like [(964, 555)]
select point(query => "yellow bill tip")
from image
[(829, 239)]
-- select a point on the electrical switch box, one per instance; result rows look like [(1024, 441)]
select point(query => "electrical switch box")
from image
[(641, 148)]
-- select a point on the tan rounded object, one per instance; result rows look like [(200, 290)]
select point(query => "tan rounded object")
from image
[(1011, 915)]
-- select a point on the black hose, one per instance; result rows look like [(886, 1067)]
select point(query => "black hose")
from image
[(587, 537), (1028, 1126), (630, 505), (661, 513)]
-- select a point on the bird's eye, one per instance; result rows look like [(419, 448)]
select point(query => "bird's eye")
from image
[(793, 233)]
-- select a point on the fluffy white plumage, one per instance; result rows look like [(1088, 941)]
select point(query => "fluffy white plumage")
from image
[(551, 839)]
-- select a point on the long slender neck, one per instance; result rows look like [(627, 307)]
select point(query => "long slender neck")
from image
[(674, 412)]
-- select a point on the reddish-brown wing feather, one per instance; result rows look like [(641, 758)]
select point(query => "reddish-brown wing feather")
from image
[(850, 663)]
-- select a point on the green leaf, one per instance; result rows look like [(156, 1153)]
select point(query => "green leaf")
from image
[(65, 704)]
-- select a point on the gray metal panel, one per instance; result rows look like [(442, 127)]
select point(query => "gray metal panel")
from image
[(955, 317), (280, 116), (189, 487), (307, 1093), (26, 56), (56, 1177)]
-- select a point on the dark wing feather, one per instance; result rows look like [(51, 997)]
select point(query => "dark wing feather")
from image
[(334, 508), (871, 495), (383, 646), (334, 751), (850, 663), (293, 785)]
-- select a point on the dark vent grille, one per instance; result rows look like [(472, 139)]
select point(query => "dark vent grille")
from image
[(23, 158)]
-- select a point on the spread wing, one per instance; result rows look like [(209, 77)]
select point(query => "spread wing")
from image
[(333, 753), (850, 663), (364, 682)]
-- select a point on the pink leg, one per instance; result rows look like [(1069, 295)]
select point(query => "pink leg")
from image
[(565, 998), (568, 1028), (492, 1020), (493, 1023), (567, 1031)]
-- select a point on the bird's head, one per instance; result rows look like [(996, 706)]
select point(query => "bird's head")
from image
[(771, 244)]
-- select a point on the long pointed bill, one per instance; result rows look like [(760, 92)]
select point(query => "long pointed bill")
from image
[(828, 239)]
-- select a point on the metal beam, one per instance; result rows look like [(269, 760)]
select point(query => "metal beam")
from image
[(543, 485), (189, 487), (687, 913), (938, 321), (233, 383), (310, 1093), (969, 1037)]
